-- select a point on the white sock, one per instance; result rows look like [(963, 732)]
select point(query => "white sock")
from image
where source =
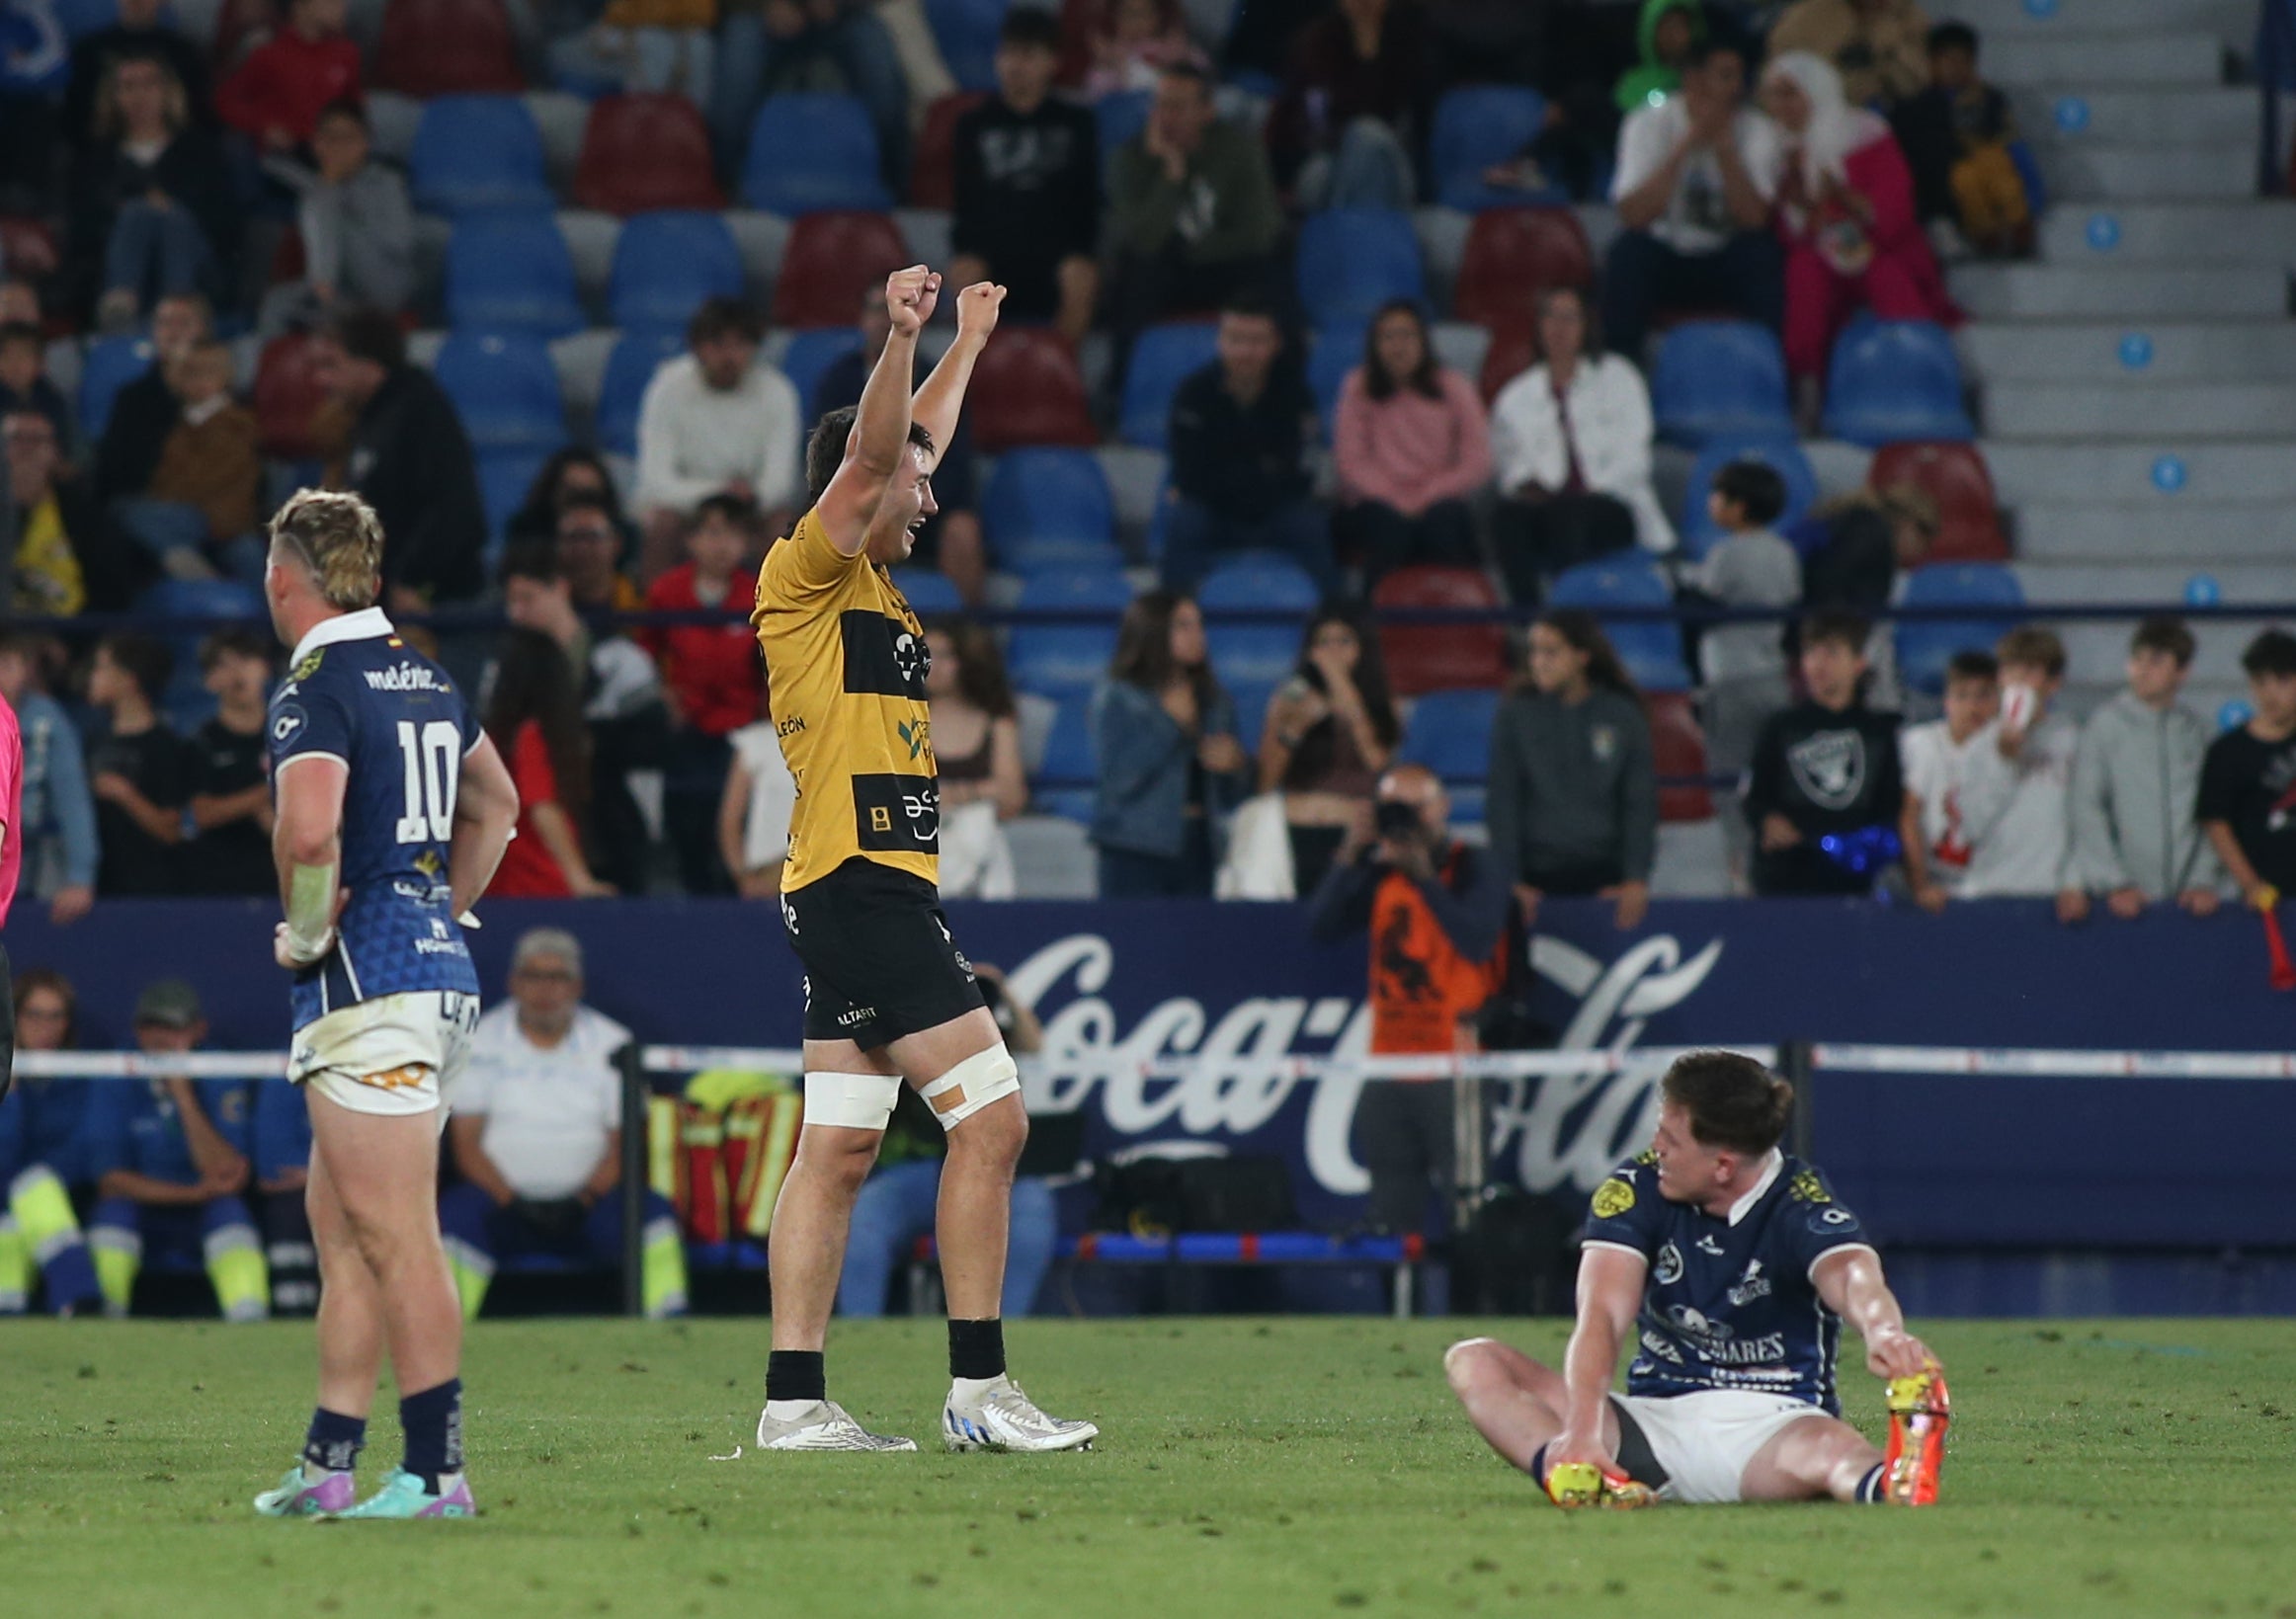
[(968, 1390), (788, 1410)]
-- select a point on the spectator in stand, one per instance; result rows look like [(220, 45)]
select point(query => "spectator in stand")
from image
[(19, 302), (1667, 35), (710, 675), (1880, 48), (43, 1163), (407, 456), (2247, 784), (1331, 730), (58, 814), (170, 1162), (1411, 446), (1136, 41), (753, 817), (572, 475), (147, 410), (153, 211), (357, 222), (535, 715), (1855, 549), (25, 384), (141, 29), (1164, 736), (976, 736), (68, 555), (1572, 805), (591, 533), (1261, 36), (1435, 910), (537, 1135), (279, 1161), (2016, 798), (199, 510), (651, 45), (1936, 761), (138, 771), (229, 780), (775, 47), (1826, 792), (1571, 440), (716, 421), (276, 95), (1194, 206), (1846, 214), (1353, 107), (1696, 175), (1956, 136), (1239, 438), (1027, 188), (2135, 778), (951, 538)]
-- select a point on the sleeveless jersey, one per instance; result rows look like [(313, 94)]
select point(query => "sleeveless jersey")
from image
[(846, 661), (359, 694)]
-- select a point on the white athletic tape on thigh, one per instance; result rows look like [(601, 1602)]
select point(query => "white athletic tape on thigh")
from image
[(981, 1079), (852, 1102)]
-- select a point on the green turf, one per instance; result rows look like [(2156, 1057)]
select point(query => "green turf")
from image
[(1297, 1466)]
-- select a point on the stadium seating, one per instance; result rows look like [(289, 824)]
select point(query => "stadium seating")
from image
[(1449, 733), (1925, 645), (239, 24), (1060, 660), (1475, 126), (504, 477), (286, 397), (1336, 350), (447, 48), (966, 33), (1069, 767), (644, 153), (933, 164), (1350, 261), (1895, 379), (512, 273), (1651, 649), (1121, 117), (1078, 589), (1783, 456), (1027, 390), (813, 153), (1045, 509), (929, 595), (1434, 657), (809, 355), (1262, 581), (628, 368), (831, 259), (1680, 749), (1955, 477), (665, 264), (477, 155), (1511, 255), (1717, 377), (1162, 359), (505, 389), (111, 364), (1512, 353)]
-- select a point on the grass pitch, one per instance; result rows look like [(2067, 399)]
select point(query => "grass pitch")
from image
[(1293, 1466)]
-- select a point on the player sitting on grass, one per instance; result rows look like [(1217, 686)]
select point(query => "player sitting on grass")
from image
[(1734, 1267)]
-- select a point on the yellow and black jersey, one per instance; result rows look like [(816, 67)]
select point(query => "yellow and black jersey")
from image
[(847, 660)]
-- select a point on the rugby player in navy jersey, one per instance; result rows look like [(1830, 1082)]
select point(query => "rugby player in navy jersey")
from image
[(1732, 1267), (393, 810)]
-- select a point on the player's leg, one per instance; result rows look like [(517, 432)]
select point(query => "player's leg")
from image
[(1516, 1403), (351, 1338), (1812, 1458)]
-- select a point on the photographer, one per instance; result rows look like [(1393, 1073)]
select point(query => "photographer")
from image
[(1436, 911)]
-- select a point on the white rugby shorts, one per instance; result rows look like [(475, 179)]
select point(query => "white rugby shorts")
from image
[(395, 1055), (1705, 1438)]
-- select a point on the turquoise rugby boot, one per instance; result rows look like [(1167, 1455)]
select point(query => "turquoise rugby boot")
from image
[(403, 1496), (299, 1495)]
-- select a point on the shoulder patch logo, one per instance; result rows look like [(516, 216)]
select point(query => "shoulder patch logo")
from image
[(1612, 1199), (1806, 1187), (308, 667), (286, 723)]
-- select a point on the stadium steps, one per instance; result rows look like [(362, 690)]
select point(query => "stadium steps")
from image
[(2146, 584), (2137, 410), (2001, 22), (2033, 291), (2231, 532), (2197, 114), (2185, 233), (2026, 471), (2098, 353), (2086, 62)]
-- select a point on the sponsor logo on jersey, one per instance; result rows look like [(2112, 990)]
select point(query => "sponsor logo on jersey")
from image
[(1750, 1286), (918, 734), (1612, 1199), (1806, 1187), (1708, 1245), (791, 726), (406, 677), (1669, 1268), (859, 1014), (286, 723)]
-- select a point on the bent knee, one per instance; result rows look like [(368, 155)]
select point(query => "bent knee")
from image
[(1467, 1359), (994, 1135)]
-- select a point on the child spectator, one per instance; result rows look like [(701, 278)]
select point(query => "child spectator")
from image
[(1825, 789), (276, 95), (535, 715), (1411, 446), (1956, 136), (209, 473), (230, 787), (1936, 759), (154, 212), (1667, 32), (753, 817), (1164, 738), (137, 770), (1136, 40), (976, 736), (24, 380), (2015, 799), (357, 222), (2248, 782), (57, 815), (2135, 778)]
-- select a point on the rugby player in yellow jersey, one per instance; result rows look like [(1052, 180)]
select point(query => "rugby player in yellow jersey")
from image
[(888, 996)]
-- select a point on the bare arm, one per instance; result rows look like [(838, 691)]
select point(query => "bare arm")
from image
[(306, 846), (487, 809), (2236, 861), (942, 399), (138, 1187), (1849, 1281), (880, 427), (1639, 207), (211, 810), (463, 1133), (1610, 1294), (1748, 209), (556, 830), (1008, 777), (733, 809), (218, 1161)]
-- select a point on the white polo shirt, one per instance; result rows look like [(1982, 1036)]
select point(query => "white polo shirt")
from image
[(548, 1112)]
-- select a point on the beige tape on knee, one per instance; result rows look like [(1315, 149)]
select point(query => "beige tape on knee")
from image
[(851, 1101), (972, 1085)]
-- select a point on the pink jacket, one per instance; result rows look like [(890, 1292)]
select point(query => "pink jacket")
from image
[(1408, 451)]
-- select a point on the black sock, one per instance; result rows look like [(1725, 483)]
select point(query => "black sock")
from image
[(334, 1442), (976, 1349), (432, 1421), (796, 1374)]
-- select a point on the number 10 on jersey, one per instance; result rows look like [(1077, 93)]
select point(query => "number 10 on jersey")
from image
[(432, 755)]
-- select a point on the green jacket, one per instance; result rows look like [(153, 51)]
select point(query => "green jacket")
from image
[(1223, 209), (1651, 81)]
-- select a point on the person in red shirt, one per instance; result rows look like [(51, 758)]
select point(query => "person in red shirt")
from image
[(277, 95), (11, 860), (712, 677), (535, 716)]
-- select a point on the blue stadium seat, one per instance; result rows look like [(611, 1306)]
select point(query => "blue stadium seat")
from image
[(1254, 653), (477, 154), (111, 364), (1720, 377), (1068, 747), (1350, 261), (1337, 350), (1925, 645), (512, 273), (1079, 587), (1451, 733), (1265, 580), (1475, 126), (505, 389), (1893, 380), (811, 353), (1121, 117), (1048, 510), (929, 593), (83, 17), (1162, 359), (1651, 648), (966, 33), (1782, 456), (1058, 660), (665, 264), (628, 368), (812, 153), (504, 477), (1251, 698)]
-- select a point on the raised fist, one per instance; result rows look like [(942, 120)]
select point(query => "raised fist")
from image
[(909, 295), (976, 309)]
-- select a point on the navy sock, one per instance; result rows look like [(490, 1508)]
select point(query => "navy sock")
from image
[(1869, 1488), (796, 1374), (334, 1442), (432, 1421), (976, 1349)]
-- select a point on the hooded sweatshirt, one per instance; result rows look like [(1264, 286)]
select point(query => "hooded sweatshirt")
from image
[(2136, 776), (1651, 81)]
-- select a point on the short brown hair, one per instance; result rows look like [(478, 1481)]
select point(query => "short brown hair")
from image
[(2033, 647), (1733, 1102), (723, 317), (825, 450), (1844, 630), (339, 538), (2164, 634)]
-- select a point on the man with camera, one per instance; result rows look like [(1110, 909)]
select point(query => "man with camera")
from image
[(1436, 913)]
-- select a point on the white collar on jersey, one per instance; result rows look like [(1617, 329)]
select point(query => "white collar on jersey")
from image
[(1775, 1162), (362, 626)]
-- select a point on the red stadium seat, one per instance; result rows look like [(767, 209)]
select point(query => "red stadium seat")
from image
[(1440, 657), (831, 259), (1026, 391), (1511, 254), (287, 396), (932, 171), (644, 153), (1512, 353), (1955, 477), (1680, 748), (447, 48)]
